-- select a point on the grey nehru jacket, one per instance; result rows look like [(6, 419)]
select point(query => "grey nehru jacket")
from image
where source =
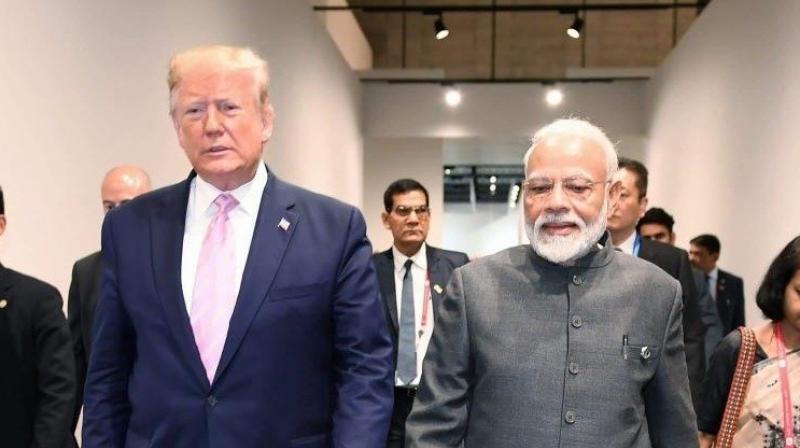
[(527, 353)]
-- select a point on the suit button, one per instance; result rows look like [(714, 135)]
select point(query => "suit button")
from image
[(573, 368), (577, 280), (569, 417), (577, 321), (212, 400)]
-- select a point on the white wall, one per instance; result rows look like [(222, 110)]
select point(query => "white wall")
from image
[(84, 88), (724, 150), (389, 159), (491, 111)]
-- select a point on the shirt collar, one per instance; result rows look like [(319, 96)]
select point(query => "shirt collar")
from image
[(248, 195), (420, 258), (627, 245), (714, 273)]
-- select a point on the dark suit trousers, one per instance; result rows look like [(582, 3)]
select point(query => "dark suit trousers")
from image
[(403, 401)]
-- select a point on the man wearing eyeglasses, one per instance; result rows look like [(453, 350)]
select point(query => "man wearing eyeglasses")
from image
[(412, 277), (622, 219), (563, 342), (120, 185)]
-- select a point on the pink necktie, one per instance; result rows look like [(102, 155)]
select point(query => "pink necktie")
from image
[(214, 286)]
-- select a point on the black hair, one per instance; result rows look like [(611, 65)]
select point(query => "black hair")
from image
[(772, 292), (657, 215), (2, 203), (637, 168), (707, 241), (401, 186)]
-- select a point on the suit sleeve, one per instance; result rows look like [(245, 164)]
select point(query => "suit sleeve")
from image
[(78, 350), (738, 316), (693, 329), (55, 373), (106, 407), (668, 404), (363, 349), (440, 413)]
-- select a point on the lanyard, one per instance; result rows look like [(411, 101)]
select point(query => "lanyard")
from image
[(788, 421), (426, 298)]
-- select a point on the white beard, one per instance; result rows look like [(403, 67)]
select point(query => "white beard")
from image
[(561, 249)]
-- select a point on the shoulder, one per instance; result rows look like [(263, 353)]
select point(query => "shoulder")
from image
[(88, 262), (517, 257), (730, 277), (455, 257), (321, 206), (26, 285), (727, 350), (662, 251), (382, 257)]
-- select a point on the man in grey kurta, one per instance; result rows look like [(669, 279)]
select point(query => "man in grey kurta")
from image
[(563, 343)]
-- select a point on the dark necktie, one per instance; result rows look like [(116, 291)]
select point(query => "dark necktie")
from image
[(407, 351)]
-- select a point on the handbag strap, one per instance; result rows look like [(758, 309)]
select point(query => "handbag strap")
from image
[(738, 390)]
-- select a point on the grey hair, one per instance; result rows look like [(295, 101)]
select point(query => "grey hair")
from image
[(576, 127)]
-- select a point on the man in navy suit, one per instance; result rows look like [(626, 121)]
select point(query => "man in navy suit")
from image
[(237, 310), (410, 311), (726, 289)]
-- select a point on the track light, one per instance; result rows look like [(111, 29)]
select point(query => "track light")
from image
[(574, 30), (553, 97), (452, 97), (440, 29)]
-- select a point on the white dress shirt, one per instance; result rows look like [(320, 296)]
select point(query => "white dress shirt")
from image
[(419, 276), (627, 245), (712, 282), (201, 210)]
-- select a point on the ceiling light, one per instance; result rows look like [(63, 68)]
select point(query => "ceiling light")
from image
[(440, 29), (553, 97), (452, 97), (574, 30)]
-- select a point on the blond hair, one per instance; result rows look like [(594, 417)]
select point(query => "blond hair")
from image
[(232, 58)]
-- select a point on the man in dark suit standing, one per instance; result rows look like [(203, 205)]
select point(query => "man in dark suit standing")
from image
[(37, 372), (726, 289), (658, 225), (237, 310), (412, 277), (622, 220), (120, 185)]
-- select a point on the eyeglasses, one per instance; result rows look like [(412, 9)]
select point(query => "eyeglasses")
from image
[(576, 188), (422, 211)]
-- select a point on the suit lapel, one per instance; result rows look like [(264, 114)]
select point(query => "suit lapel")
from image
[(438, 277), (6, 282), (275, 226), (385, 270), (167, 227)]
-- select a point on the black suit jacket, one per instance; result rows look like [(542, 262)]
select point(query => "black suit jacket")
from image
[(675, 262), (84, 291), (730, 300), (441, 264), (37, 372)]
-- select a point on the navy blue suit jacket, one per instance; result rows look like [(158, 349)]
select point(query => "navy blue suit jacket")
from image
[(307, 361)]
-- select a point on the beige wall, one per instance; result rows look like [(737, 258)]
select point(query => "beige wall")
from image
[(723, 127), (389, 159), (84, 89)]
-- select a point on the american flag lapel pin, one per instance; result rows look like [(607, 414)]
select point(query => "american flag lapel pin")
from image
[(284, 224)]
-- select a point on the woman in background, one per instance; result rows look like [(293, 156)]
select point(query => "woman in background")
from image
[(773, 395)]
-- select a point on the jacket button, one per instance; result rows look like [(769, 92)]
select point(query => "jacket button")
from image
[(577, 280), (212, 400), (573, 368), (569, 417), (577, 321)]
